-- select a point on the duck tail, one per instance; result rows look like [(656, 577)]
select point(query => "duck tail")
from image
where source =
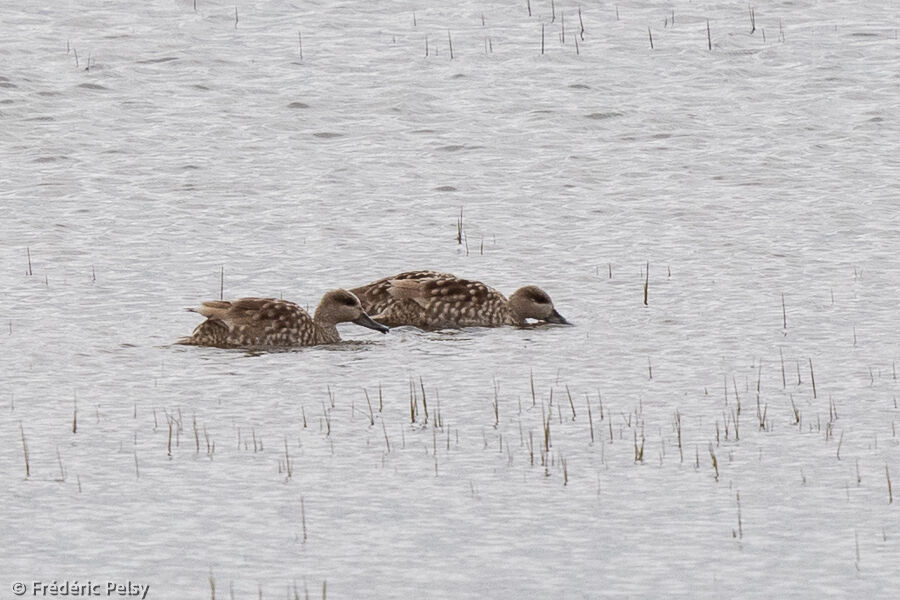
[(212, 309)]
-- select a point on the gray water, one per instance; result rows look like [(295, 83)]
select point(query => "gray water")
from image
[(183, 152)]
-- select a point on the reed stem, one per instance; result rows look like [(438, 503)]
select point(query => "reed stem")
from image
[(887, 475), (303, 525), (28, 465), (812, 378)]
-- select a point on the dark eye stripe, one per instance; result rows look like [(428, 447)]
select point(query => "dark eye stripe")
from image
[(347, 299)]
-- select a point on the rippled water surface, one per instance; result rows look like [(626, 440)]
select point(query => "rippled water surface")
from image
[(735, 437)]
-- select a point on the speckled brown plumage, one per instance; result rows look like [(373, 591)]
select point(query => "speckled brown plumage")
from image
[(434, 300), (261, 322), (376, 297)]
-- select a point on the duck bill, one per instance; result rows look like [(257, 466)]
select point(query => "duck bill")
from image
[(557, 318), (366, 321)]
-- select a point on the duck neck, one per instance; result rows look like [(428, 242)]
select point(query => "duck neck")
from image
[(512, 316), (326, 331)]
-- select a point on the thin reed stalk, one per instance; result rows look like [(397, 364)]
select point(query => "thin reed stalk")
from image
[(590, 417), (812, 378), (531, 380), (371, 413), (783, 313), (678, 434), (571, 403), (287, 459), (647, 272), (580, 25), (887, 475), (424, 401), (25, 451), (303, 524)]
